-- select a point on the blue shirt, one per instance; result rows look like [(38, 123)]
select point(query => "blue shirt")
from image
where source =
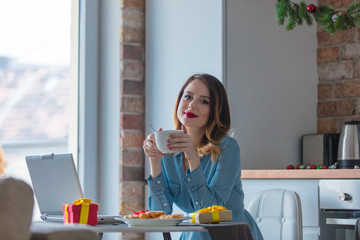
[(212, 183)]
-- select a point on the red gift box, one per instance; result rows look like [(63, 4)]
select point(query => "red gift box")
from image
[(81, 211)]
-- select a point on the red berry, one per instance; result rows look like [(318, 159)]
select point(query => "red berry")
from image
[(313, 166), (325, 167)]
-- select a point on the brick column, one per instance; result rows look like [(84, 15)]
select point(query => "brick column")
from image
[(338, 58), (132, 108)]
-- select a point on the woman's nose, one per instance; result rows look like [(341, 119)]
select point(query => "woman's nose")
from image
[(192, 105)]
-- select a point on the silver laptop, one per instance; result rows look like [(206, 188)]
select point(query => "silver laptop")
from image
[(55, 182)]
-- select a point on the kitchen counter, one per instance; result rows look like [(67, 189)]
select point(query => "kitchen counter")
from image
[(306, 183), (301, 174)]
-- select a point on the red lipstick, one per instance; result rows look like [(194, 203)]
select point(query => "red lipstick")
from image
[(190, 115)]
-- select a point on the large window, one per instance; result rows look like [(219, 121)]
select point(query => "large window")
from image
[(60, 89), (35, 80)]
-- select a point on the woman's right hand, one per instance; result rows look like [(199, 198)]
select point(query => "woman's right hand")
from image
[(150, 148), (154, 154)]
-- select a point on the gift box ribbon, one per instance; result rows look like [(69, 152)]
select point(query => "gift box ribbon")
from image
[(84, 213), (214, 212)]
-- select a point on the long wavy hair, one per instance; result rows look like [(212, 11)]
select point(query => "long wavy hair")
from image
[(218, 125)]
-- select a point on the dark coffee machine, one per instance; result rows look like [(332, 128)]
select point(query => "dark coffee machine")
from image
[(349, 146)]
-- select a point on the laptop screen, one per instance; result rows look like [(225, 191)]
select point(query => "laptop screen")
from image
[(55, 181)]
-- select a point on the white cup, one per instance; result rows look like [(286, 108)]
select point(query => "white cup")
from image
[(161, 138)]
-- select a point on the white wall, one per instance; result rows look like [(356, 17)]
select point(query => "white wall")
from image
[(271, 73), (271, 82), (183, 37)]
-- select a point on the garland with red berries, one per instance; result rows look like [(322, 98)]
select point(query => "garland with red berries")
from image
[(330, 19)]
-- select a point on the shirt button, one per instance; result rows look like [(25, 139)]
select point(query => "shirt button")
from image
[(196, 202), (158, 182), (189, 179), (165, 204)]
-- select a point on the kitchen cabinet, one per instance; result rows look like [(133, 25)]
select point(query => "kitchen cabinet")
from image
[(305, 182)]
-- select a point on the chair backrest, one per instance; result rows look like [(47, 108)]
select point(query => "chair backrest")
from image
[(16, 209), (278, 214)]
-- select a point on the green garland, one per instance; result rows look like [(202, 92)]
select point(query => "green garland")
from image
[(324, 15)]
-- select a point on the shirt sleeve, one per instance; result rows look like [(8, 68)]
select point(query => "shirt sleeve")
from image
[(216, 189), (160, 196)]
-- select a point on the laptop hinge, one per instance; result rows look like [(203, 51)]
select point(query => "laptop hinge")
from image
[(48, 156)]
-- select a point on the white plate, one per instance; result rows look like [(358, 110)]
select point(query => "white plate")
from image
[(153, 222)]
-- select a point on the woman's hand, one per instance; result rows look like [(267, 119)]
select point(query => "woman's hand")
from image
[(154, 155), (182, 142)]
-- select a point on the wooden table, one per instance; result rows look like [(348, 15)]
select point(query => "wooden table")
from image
[(241, 230)]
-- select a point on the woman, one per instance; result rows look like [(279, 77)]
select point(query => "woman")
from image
[(206, 170)]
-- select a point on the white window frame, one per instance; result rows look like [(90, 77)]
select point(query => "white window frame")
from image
[(99, 102)]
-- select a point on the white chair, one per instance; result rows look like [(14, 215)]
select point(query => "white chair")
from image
[(278, 214)]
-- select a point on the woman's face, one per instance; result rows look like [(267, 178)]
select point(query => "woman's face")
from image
[(194, 106)]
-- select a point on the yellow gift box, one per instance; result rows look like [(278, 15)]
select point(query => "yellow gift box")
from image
[(212, 214)]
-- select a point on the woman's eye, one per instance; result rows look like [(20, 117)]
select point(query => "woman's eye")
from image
[(187, 96), (204, 101)]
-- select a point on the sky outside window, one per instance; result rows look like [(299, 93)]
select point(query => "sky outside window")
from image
[(36, 31)]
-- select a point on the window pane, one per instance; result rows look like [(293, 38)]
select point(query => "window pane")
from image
[(34, 80)]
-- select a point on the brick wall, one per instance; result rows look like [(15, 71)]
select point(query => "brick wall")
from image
[(132, 108), (338, 59)]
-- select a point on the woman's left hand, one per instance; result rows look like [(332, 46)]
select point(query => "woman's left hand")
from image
[(181, 142)]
